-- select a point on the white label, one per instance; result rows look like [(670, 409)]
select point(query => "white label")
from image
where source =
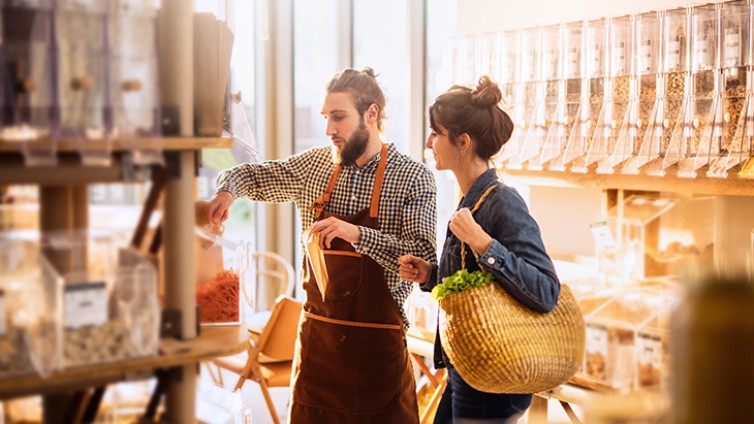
[(650, 350), (732, 48), (673, 58), (645, 56), (3, 325), (603, 237), (85, 305), (596, 339), (619, 59), (701, 50), (573, 62)]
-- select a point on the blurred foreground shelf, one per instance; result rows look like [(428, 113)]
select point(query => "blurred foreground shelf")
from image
[(119, 145), (213, 342)]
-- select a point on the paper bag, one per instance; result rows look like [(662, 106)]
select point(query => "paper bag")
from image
[(317, 261)]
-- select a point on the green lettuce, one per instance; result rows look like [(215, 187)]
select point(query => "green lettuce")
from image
[(460, 281)]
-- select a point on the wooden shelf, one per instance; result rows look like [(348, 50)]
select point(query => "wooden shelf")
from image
[(167, 143), (70, 170), (213, 342), (702, 184)]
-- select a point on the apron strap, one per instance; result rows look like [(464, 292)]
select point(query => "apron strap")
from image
[(378, 183), (319, 204), (324, 199), (474, 209)]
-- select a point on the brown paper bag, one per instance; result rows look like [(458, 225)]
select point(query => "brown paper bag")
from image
[(317, 260)]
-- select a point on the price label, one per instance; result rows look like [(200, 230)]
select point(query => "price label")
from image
[(650, 350), (85, 304), (3, 324), (596, 339), (603, 236)]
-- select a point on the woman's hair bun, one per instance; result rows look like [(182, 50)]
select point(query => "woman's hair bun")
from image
[(486, 93)]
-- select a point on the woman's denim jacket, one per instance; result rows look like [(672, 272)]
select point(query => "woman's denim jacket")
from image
[(516, 258)]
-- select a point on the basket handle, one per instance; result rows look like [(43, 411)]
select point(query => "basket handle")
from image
[(474, 209)]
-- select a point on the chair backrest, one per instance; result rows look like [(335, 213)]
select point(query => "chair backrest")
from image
[(274, 277), (278, 338)]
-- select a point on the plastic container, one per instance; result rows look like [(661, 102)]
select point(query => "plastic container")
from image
[(673, 101), (110, 306), (422, 313), (29, 50), (30, 311), (594, 72), (81, 77), (738, 106), (225, 278), (645, 106), (133, 80), (704, 116), (611, 336), (529, 92)]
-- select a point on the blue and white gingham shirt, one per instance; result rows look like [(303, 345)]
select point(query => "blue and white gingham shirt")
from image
[(407, 209)]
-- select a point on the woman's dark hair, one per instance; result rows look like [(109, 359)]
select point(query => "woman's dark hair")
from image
[(475, 112), (363, 88)]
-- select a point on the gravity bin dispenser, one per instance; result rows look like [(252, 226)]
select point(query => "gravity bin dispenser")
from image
[(672, 99), (593, 70), (704, 114), (738, 108)]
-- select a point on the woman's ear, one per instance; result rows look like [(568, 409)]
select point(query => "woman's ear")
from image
[(464, 143)]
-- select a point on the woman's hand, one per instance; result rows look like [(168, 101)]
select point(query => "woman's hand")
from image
[(414, 269), (467, 230)]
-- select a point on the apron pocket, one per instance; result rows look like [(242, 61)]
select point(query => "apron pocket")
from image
[(355, 370), (345, 270)]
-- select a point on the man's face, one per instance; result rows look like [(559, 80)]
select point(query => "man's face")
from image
[(345, 127)]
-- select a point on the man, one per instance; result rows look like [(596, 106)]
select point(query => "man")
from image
[(369, 205)]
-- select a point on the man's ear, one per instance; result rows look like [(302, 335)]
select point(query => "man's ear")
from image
[(372, 113)]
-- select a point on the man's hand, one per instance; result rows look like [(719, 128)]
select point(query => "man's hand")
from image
[(467, 230), (414, 269), (217, 208), (331, 228)]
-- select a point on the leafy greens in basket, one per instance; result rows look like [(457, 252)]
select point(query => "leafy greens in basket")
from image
[(460, 281)]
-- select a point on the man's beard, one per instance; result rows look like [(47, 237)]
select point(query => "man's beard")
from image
[(355, 146)]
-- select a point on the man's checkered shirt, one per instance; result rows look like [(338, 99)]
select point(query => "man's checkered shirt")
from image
[(407, 210)]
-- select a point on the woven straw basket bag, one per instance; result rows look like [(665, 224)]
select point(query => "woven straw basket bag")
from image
[(498, 345)]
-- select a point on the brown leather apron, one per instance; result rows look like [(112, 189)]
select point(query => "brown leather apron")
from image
[(351, 363)]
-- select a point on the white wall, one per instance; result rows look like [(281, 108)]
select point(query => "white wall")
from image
[(479, 16)]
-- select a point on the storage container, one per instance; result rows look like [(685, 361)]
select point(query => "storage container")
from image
[(30, 311)]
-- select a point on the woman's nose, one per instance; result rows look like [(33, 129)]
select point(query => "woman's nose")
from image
[(429, 142)]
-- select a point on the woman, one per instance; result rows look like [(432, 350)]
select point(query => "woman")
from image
[(468, 128)]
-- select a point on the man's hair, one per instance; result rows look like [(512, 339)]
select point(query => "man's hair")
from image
[(363, 88)]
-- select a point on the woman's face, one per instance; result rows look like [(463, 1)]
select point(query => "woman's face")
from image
[(446, 154)]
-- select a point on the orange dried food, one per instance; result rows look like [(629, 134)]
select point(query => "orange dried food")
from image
[(218, 298)]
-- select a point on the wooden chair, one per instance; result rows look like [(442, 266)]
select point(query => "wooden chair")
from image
[(274, 277), (269, 359)]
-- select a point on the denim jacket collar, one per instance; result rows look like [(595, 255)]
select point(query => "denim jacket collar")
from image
[(475, 192)]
